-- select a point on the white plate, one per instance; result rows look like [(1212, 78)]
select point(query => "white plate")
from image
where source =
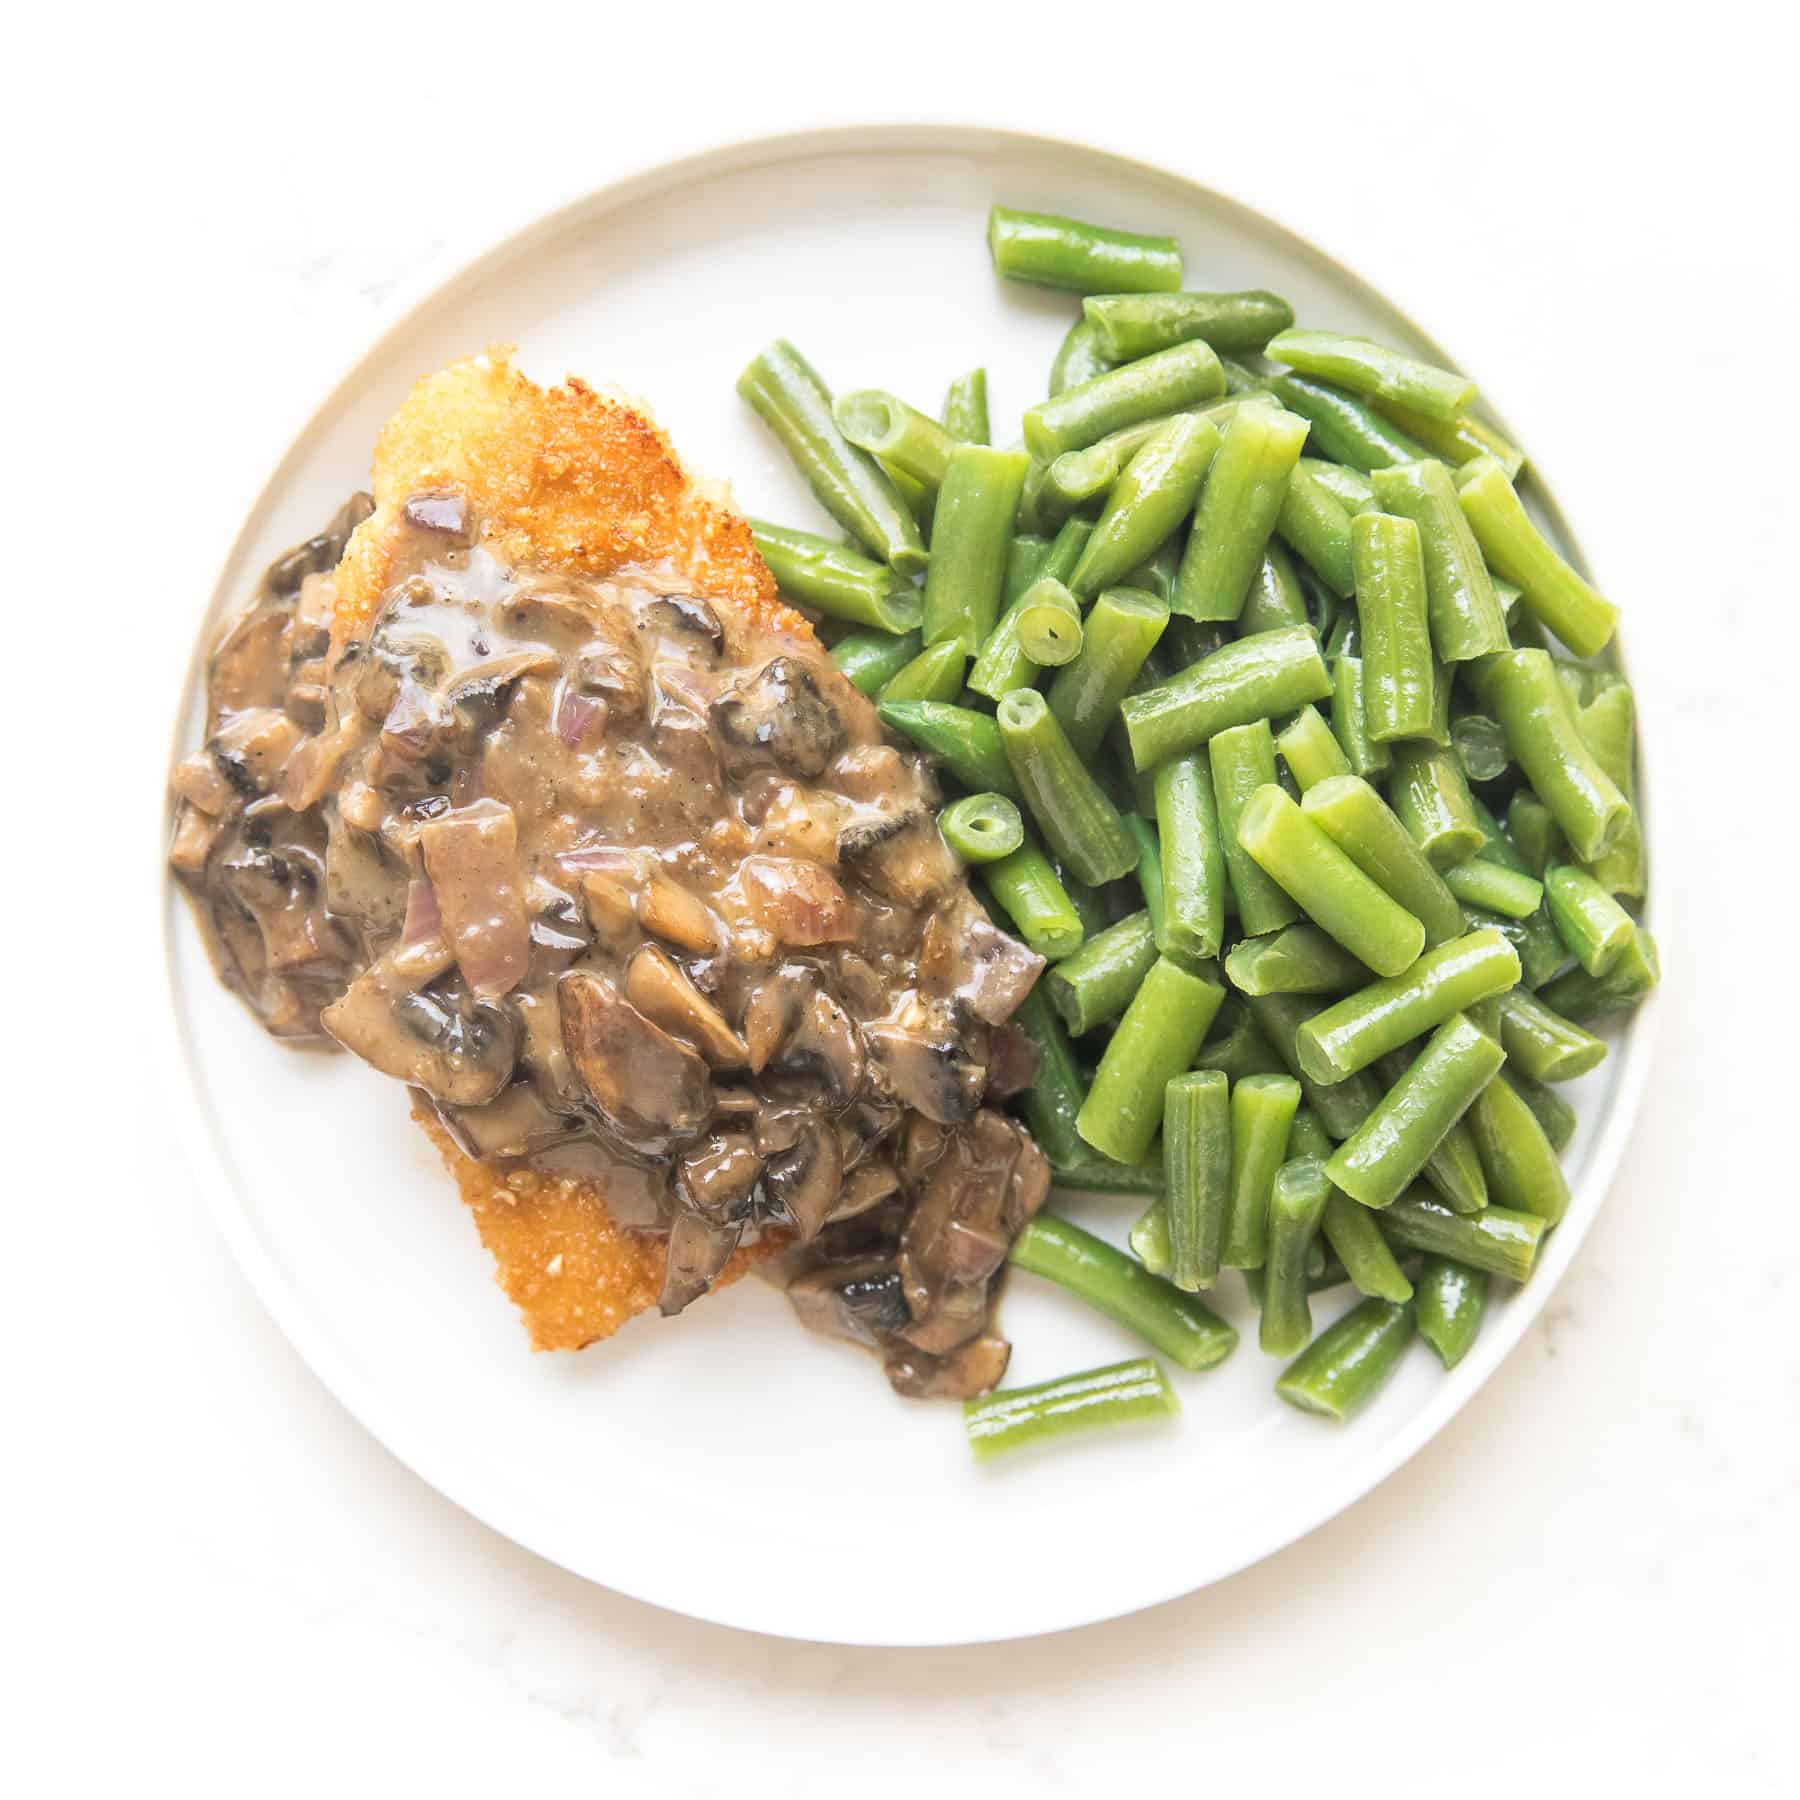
[(728, 1465)]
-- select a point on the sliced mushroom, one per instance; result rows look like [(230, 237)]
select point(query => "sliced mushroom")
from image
[(965, 957), (683, 617), (459, 1057), (860, 1300), (800, 1185), (795, 901), (657, 987), (559, 931), (865, 1187), (970, 1369), (252, 749), (472, 858), (825, 1043), (781, 716), (361, 883), (484, 680), (698, 1253), (717, 1177), (773, 1010), (1012, 1064), (909, 864), (610, 913), (667, 910), (650, 1088), (196, 833), (517, 1123), (447, 515), (932, 1074)]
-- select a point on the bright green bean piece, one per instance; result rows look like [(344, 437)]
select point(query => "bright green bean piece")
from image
[(1118, 1394), (1350, 812), (1297, 1200), (1608, 726), (1540, 1042), (1052, 251), (1078, 476), (1454, 1168), (1078, 358), (1350, 723), (1554, 1114), (1522, 689), (1542, 954), (1520, 1162), (1276, 597), (1238, 1048), (1175, 1323), (1121, 629), (1587, 918), (1555, 595), (1095, 985), (1080, 824), (839, 582), (1196, 1141), (1457, 441), (1391, 1147), (1152, 495), (1043, 623), (1579, 995), (871, 659), (1254, 678), (1243, 760), (1369, 368), (1156, 575), (1480, 746), (900, 435), (1066, 548), (1340, 1105), (1315, 524), (966, 742), (1133, 325), (1344, 428), (1348, 1363), (1398, 683), (1299, 960), (1171, 381), (1509, 892), (1149, 1238), (1329, 888), (982, 828), (1239, 504), (1098, 1175), (1026, 556), (1193, 861), (1535, 833), (1057, 1091), (1032, 895), (788, 396), (1433, 802), (935, 674), (1502, 1241), (1262, 1116), (1353, 489), (1466, 616), (1308, 1136), (1159, 1036), (971, 535), (966, 408), (921, 500), (1149, 870), (1357, 1243), (1310, 751), (1350, 1034), (1452, 1303)]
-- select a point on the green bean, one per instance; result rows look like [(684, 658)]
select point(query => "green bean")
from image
[(1253, 678), (1350, 1034), (1120, 631), (1308, 1137), (1579, 995), (1042, 628), (1466, 616), (1133, 325), (1457, 441), (1240, 1048), (1025, 559), (1193, 862), (1243, 760), (1329, 887), (1509, 892), (935, 674), (1276, 597), (1175, 1323), (1398, 683), (1099, 1175), (966, 742), (1152, 495), (1310, 751), (1350, 812), (1349, 720), (1348, 1363), (1343, 427), (1119, 1394), (1555, 595), (837, 581), (1159, 1036), (1315, 524), (1149, 1238), (1433, 802), (788, 396), (1554, 1114), (982, 828), (1196, 1143), (1171, 381), (1296, 1204), (1239, 504), (1354, 490), (1368, 368), (1340, 1104), (966, 408), (1156, 574), (1454, 1167), (1391, 1147), (1502, 1241), (1479, 746), (1357, 1243), (1078, 358), (1095, 985), (1036, 514), (1052, 251), (1534, 712), (1452, 1302), (901, 436), (1262, 1116), (1535, 833), (1542, 955), (1066, 548), (1032, 895), (1080, 824), (970, 539), (1078, 476), (1523, 1174), (871, 659), (1608, 727), (1299, 960), (1149, 870), (1057, 1092)]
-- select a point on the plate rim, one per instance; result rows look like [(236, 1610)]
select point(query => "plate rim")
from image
[(626, 180)]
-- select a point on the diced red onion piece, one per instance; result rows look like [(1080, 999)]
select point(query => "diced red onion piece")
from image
[(423, 919), (573, 718)]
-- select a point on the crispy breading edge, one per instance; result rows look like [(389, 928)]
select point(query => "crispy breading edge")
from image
[(565, 478)]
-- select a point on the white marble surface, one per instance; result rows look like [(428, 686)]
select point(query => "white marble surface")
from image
[(1590, 1576)]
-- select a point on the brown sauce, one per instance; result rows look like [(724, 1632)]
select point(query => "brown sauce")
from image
[(630, 890)]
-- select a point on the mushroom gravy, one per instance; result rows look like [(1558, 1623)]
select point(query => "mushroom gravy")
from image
[(634, 892)]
